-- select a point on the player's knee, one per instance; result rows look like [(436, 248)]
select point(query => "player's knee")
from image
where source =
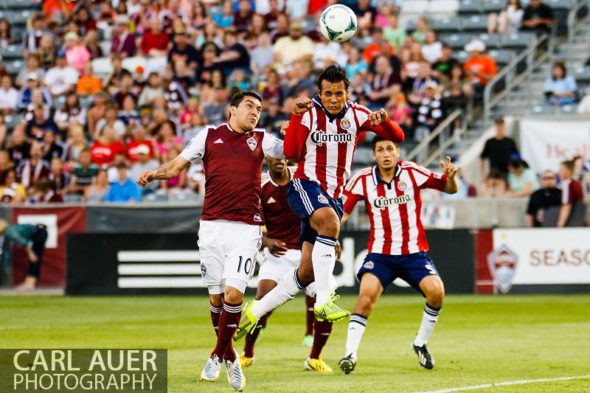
[(326, 223), (216, 300), (232, 296), (365, 304), (305, 274), (436, 295)]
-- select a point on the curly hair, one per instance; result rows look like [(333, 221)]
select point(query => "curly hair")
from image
[(333, 74)]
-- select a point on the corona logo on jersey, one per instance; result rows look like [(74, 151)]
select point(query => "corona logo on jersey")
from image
[(382, 202), (321, 137)]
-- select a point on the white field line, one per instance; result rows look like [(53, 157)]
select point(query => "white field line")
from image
[(509, 383)]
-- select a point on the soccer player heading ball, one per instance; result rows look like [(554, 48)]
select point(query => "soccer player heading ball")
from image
[(321, 136), (397, 241), (230, 227)]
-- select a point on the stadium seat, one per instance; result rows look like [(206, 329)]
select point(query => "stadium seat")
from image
[(474, 23), (560, 4), (446, 7), (13, 67), (102, 66), (502, 56), (471, 7), (11, 52), (446, 24), (19, 4), (461, 56), (17, 17), (519, 41), (492, 41), (415, 7), (494, 6), (456, 41), (582, 75)]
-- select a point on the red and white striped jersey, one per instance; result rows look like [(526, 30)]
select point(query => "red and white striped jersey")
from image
[(394, 208), (324, 144)]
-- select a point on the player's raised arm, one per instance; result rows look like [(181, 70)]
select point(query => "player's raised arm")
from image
[(450, 171), (297, 129), (380, 123), (168, 170), (272, 146)]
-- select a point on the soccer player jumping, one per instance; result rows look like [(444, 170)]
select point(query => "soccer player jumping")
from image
[(397, 241), (322, 135), (230, 226)]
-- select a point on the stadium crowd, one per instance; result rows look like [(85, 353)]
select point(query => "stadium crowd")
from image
[(82, 119)]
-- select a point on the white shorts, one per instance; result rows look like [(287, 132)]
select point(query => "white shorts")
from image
[(274, 268), (228, 253)]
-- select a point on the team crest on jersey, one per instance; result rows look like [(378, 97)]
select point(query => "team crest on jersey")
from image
[(369, 265), (322, 199), (345, 124), (401, 185), (502, 263), (203, 270), (252, 143)]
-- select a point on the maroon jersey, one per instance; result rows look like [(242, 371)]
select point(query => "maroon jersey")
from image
[(281, 222), (233, 165)]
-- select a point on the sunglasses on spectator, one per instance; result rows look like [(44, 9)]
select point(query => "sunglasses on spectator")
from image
[(548, 177)]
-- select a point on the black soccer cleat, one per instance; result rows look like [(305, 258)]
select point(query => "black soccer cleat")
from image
[(347, 364), (424, 357)]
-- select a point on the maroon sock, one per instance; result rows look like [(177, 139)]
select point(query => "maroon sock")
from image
[(215, 314), (309, 315), (252, 337), (228, 323), (321, 334)]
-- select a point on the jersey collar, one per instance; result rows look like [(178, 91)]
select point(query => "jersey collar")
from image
[(316, 100), (377, 176)]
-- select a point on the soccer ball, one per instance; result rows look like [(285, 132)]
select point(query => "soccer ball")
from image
[(338, 23)]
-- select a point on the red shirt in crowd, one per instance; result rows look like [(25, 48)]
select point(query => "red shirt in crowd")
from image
[(101, 153)]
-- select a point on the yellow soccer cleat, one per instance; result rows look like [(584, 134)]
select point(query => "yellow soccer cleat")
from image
[(329, 311), (317, 365), (247, 322), (246, 362)]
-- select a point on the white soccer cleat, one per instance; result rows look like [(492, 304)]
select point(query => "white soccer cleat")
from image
[(211, 370), (235, 375)]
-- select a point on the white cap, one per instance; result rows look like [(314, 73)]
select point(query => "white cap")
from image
[(475, 45), (142, 149)]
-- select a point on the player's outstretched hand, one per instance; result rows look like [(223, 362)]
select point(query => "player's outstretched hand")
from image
[(276, 247), (284, 127), (449, 168), (301, 105), (145, 178), (378, 117)]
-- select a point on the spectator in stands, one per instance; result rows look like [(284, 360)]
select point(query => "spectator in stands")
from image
[(560, 89), (91, 43), (33, 94), (19, 149), (295, 46), (47, 51), (262, 54), (72, 111), (96, 112), (442, 68), (479, 66), (11, 191), (393, 33), (521, 179), (97, 190), (51, 147), (243, 17), (458, 90), (498, 151), (83, 173), (572, 211), (224, 18), (84, 20), (400, 112), (430, 112), (105, 147), (62, 78), (111, 120), (233, 55), (44, 192), (509, 21), (124, 190), (8, 96), (152, 89), (123, 41), (32, 37), (385, 83), (377, 46), (582, 171), (538, 17), (3, 131), (40, 124), (88, 84), (155, 42), (75, 143), (583, 107), (33, 168), (32, 66), (139, 140), (422, 30), (546, 197), (5, 33), (355, 64), (327, 53), (365, 13), (494, 185), (5, 163), (76, 53), (215, 111), (183, 50), (144, 162), (432, 48)]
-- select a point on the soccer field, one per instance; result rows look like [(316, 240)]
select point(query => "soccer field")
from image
[(479, 340)]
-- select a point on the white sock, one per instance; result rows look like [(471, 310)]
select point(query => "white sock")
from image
[(323, 258), (286, 289), (429, 319), (356, 328)]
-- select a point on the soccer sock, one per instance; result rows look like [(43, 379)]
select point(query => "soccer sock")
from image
[(309, 315), (285, 290), (215, 314), (320, 338), (252, 337), (429, 319), (356, 328), (323, 258), (228, 323)]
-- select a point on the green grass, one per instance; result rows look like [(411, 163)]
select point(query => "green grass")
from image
[(479, 340)]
